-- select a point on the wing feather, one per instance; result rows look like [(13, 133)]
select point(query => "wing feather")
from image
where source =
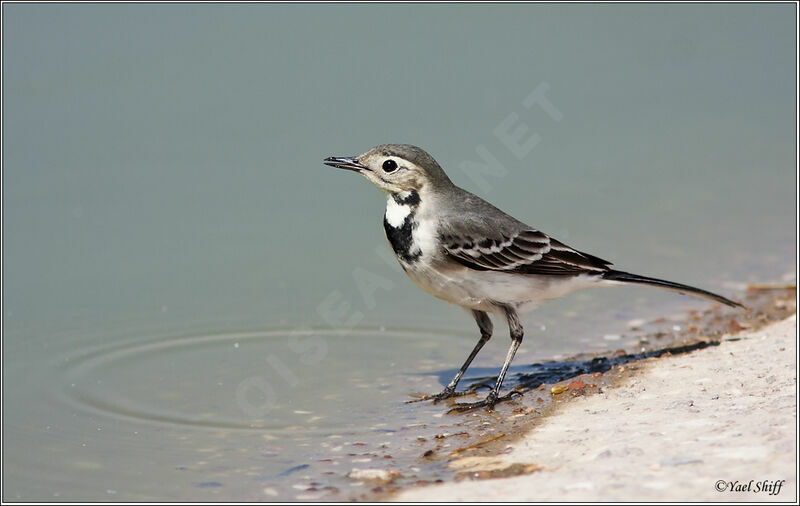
[(478, 235), (527, 252)]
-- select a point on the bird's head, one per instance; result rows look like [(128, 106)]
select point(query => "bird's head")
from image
[(395, 168)]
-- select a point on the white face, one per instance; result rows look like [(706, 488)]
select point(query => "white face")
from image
[(391, 174)]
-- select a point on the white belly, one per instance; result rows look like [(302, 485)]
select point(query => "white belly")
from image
[(483, 290)]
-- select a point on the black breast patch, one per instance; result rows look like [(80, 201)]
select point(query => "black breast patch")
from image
[(400, 237), (401, 240)]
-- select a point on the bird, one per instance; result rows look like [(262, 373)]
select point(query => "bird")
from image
[(460, 248)]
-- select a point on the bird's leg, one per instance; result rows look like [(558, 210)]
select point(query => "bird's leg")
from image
[(517, 332), (485, 326)]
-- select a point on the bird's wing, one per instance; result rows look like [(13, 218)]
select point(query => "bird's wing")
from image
[(525, 251), (476, 234)]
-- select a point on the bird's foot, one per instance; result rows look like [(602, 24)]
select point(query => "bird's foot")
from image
[(444, 394), (488, 403)]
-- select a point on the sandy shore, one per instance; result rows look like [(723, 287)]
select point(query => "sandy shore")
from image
[(717, 424)]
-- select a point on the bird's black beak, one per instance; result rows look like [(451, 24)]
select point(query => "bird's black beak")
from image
[(344, 162)]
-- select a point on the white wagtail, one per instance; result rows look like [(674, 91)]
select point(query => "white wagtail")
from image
[(460, 248)]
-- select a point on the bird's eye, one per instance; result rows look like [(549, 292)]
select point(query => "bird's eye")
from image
[(389, 166)]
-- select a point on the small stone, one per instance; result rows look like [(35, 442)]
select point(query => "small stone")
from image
[(635, 324), (680, 461), (380, 475)]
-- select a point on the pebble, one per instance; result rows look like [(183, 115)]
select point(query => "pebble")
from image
[(680, 461), (604, 454), (373, 475), (638, 322)]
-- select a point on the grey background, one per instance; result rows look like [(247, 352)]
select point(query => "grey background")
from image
[(162, 175), (169, 155)]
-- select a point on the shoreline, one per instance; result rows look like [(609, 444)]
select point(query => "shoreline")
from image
[(671, 428)]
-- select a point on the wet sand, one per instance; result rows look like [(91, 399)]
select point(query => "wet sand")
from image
[(716, 424)]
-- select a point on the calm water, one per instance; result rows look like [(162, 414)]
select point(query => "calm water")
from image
[(194, 307)]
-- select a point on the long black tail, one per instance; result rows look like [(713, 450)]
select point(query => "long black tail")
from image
[(627, 277)]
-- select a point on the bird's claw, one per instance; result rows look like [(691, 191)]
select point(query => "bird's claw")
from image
[(488, 403), (447, 393)]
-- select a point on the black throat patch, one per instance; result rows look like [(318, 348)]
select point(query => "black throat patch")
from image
[(401, 237), (411, 200)]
